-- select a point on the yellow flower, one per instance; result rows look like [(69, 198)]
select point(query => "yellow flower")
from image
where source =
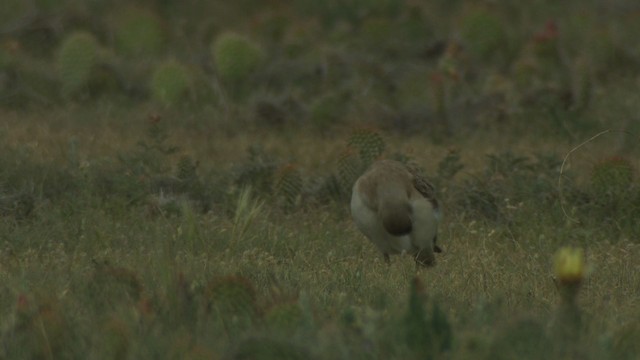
[(569, 265)]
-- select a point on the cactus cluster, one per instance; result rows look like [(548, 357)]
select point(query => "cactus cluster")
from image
[(288, 185), (369, 144), (364, 146), (76, 60), (349, 169)]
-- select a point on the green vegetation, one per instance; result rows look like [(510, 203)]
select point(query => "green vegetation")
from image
[(236, 59), (170, 83), (76, 61), (175, 179), (137, 32)]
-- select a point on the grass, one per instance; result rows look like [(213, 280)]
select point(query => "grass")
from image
[(87, 273)]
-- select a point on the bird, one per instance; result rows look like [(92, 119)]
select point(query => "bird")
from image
[(397, 210)]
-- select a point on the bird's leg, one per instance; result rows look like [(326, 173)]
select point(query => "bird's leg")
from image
[(387, 260)]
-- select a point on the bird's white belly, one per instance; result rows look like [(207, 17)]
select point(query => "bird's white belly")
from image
[(368, 222)]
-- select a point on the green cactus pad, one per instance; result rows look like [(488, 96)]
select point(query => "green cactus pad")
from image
[(288, 185), (76, 60), (170, 82), (369, 143), (236, 57)]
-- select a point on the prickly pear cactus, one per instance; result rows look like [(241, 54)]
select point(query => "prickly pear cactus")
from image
[(369, 144), (170, 82), (76, 59), (288, 185), (350, 167), (236, 57)]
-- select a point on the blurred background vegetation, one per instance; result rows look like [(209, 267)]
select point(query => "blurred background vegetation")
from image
[(439, 67)]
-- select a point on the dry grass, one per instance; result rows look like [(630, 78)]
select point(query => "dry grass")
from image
[(491, 275)]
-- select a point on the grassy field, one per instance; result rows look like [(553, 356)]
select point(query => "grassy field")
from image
[(195, 205)]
